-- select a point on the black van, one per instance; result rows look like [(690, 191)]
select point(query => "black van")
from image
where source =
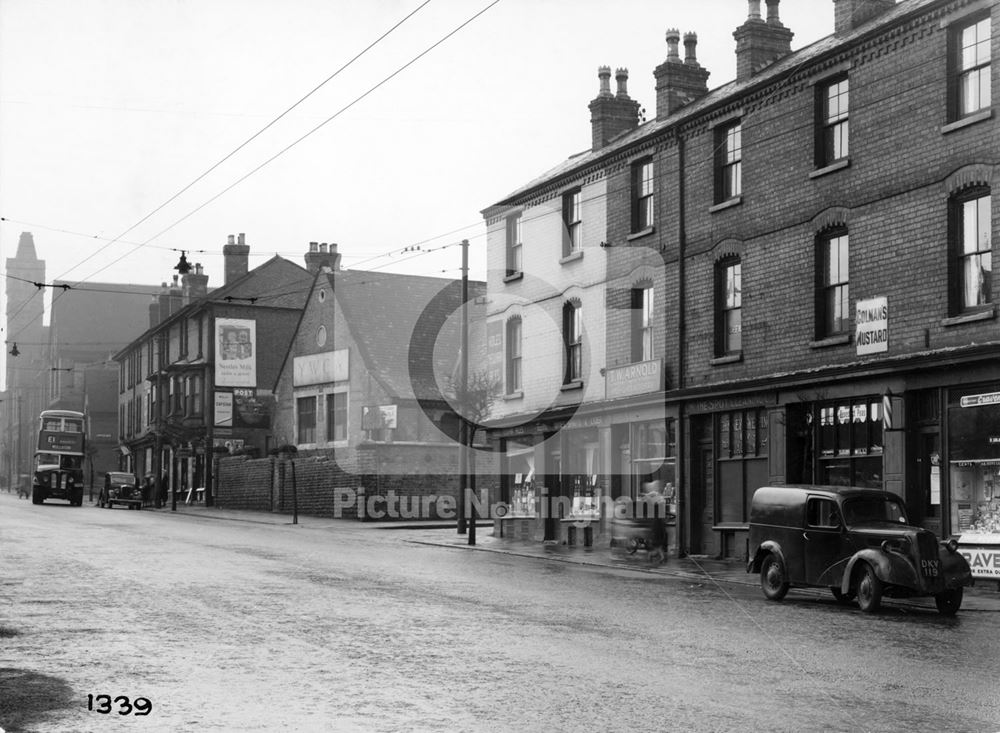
[(856, 542)]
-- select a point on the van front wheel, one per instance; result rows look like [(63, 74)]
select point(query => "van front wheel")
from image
[(869, 589), (773, 578)]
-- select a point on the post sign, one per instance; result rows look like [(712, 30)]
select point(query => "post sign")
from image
[(871, 325)]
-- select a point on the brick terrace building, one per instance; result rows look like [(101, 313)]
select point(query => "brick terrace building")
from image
[(802, 257), (200, 379)]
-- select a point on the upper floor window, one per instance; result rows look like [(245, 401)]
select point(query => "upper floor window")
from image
[(971, 62), (183, 339), (728, 162), (642, 323), (336, 416), (513, 355), (729, 308), (973, 249), (833, 295), (514, 263), (832, 134), (573, 340), (642, 195), (306, 411), (571, 222)]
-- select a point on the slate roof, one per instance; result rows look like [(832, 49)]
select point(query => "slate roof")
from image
[(383, 310), (786, 66), (276, 283)]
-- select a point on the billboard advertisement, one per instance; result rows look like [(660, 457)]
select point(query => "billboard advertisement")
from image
[(235, 352)]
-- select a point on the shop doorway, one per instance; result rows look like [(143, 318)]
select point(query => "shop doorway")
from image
[(703, 501), (925, 504)]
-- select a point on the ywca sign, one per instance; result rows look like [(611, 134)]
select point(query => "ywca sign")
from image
[(871, 325)]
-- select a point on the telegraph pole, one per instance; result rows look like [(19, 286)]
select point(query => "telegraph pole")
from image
[(463, 426)]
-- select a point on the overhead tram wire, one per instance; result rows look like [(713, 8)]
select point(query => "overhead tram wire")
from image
[(247, 142), (786, 78), (322, 124), (225, 158)]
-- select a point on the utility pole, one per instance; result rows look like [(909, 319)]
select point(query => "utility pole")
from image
[(463, 426), (157, 433)]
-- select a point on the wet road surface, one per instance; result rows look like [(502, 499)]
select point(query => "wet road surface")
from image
[(334, 626)]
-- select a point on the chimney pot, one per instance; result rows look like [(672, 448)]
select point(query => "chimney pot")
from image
[(604, 74), (673, 40), (690, 46), (322, 248), (621, 76), (772, 12), (754, 13), (242, 238), (314, 246), (231, 239)]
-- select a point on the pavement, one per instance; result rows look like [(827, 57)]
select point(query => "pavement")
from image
[(984, 596)]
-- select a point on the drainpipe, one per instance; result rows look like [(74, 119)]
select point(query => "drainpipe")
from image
[(681, 343)]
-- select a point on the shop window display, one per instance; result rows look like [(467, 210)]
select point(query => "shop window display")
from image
[(851, 443), (974, 471), (521, 461)]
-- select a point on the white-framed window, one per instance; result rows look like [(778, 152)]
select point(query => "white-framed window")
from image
[(832, 137), (971, 62), (513, 356), (972, 234), (729, 307), (729, 162), (642, 323), (833, 276), (573, 340), (514, 245), (642, 195), (572, 221)]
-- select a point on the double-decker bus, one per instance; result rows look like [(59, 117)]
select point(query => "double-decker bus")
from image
[(59, 457)]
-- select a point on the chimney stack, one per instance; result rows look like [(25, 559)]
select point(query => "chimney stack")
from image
[(849, 14), (611, 115), (679, 83), (760, 43), (322, 256), (195, 284), (237, 258)]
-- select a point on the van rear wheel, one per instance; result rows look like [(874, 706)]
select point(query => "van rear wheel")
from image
[(869, 589), (773, 578)]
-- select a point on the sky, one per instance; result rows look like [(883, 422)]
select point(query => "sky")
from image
[(115, 115)]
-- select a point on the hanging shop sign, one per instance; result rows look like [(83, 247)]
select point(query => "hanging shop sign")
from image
[(871, 325)]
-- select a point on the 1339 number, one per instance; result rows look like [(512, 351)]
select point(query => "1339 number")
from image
[(106, 705)]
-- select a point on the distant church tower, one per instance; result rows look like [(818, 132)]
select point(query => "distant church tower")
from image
[(25, 306)]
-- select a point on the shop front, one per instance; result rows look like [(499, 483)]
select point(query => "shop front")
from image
[(974, 476), (561, 481)]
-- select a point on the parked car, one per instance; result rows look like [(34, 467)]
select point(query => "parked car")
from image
[(120, 488), (856, 542)]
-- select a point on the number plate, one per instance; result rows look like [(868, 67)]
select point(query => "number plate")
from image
[(929, 568)]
